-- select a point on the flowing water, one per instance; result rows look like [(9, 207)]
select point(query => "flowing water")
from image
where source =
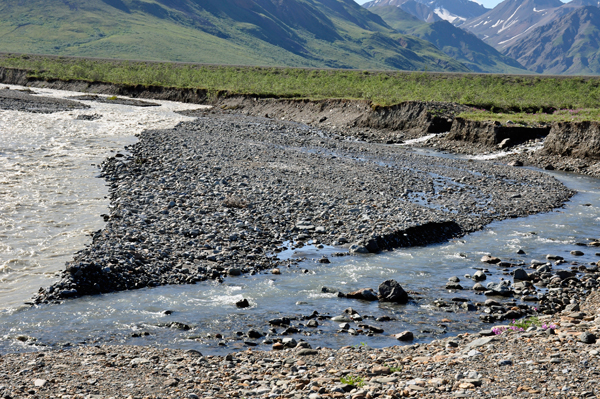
[(53, 202), (50, 200)]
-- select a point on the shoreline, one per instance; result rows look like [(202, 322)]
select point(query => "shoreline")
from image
[(510, 365)]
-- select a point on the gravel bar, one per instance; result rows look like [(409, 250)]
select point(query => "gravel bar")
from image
[(223, 194)]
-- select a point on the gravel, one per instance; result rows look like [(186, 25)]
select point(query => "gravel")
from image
[(25, 100), (225, 193)]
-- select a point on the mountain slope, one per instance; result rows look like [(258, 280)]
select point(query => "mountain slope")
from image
[(412, 7), (569, 45), (513, 19), (434, 10), (313, 33), (397, 18), (455, 42)]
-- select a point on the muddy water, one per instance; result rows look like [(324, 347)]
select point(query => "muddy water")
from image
[(50, 198), (54, 219)]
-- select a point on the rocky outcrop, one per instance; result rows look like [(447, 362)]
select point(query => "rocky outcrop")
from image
[(574, 139), (493, 133)]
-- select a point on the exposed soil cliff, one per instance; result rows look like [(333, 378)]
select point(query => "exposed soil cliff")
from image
[(493, 133), (575, 139)]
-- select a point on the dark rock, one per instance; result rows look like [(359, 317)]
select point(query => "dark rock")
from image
[(520, 274), (587, 338), (479, 276), (253, 334), (490, 259), (391, 291), (307, 352), (405, 336), (453, 286), (242, 304)]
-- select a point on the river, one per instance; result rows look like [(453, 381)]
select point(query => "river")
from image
[(52, 201)]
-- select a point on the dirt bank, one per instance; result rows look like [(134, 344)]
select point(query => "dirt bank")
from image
[(571, 146), (357, 118)]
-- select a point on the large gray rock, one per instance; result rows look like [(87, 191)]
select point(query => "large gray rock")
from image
[(391, 291), (521, 274), (499, 289), (479, 276)]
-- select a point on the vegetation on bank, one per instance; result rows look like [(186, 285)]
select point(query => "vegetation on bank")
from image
[(501, 97), (528, 118)]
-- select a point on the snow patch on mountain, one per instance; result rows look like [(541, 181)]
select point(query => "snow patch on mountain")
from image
[(447, 15)]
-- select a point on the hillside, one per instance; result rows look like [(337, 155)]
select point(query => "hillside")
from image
[(454, 42), (311, 33), (569, 45), (412, 7), (434, 10), (512, 20)]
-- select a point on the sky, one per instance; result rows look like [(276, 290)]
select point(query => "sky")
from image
[(486, 3)]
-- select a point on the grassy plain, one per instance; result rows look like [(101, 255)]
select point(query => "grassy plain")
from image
[(501, 97)]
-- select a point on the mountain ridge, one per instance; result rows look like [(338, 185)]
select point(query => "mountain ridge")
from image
[(512, 19), (433, 10), (303, 33), (454, 42), (569, 45)]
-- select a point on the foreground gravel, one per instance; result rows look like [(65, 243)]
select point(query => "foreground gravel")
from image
[(563, 362), (223, 194)]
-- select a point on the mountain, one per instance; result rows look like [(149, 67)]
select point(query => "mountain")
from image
[(513, 19), (399, 19), (454, 42), (412, 7), (569, 45), (307, 33), (433, 10)]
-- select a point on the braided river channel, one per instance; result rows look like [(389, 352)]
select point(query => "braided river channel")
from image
[(51, 200)]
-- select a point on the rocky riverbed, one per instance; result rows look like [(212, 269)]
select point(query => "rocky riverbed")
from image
[(222, 195), (557, 358)]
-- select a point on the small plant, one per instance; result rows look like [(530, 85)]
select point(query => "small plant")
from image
[(523, 324), (361, 345), (353, 380), (394, 369), (112, 98)]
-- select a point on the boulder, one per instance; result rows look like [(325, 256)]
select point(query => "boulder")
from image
[(242, 304), (366, 294), (479, 276), (490, 259), (564, 274), (405, 336), (453, 286), (479, 287), (391, 291), (520, 274), (499, 289)]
